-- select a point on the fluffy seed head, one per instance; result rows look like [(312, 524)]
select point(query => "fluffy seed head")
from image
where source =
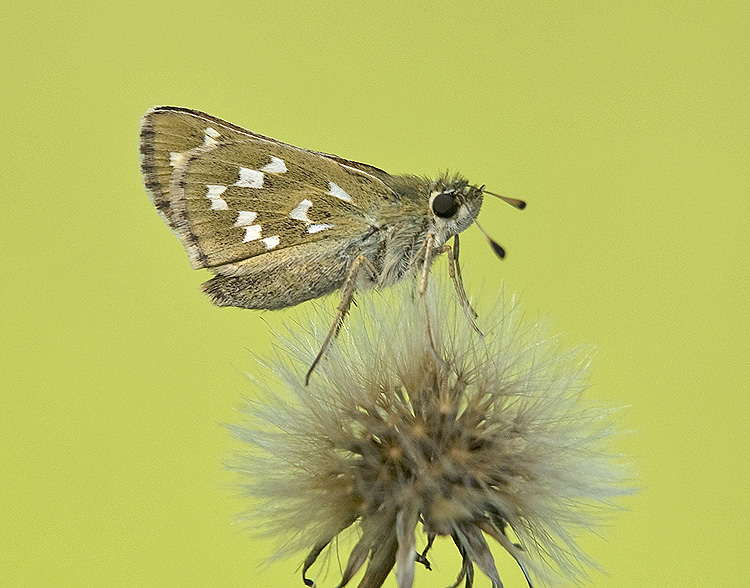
[(488, 438)]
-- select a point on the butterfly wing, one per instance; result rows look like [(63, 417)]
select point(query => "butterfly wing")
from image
[(230, 194)]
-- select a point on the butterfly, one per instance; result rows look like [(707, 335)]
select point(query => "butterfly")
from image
[(278, 225)]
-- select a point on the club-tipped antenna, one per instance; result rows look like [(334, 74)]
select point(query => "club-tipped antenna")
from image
[(514, 202), (499, 251)]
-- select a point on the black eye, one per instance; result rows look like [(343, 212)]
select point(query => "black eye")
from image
[(445, 204)]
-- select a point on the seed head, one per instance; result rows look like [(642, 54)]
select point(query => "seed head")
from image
[(466, 437)]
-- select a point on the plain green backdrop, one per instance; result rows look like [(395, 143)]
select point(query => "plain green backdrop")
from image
[(625, 126)]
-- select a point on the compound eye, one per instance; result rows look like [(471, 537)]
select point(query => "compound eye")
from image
[(445, 204)]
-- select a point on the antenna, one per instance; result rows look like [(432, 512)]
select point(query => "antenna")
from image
[(499, 251), (514, 202)]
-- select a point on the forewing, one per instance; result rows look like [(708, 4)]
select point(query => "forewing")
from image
[(230, 194)]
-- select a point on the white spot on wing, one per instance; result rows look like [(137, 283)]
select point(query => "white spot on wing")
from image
[(338, 192), (300, 211), (213, 193), (252, 233), (245, 218), (277, 166), (318, 228), (250, 178), (176, 159), (271, 242), (210, 136)]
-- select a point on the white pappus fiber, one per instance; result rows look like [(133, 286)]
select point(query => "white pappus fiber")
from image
[(495, 442)]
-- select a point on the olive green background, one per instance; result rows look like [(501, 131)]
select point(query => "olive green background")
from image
[(624, 125)]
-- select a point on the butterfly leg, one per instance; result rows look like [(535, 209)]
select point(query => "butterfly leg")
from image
[(459, 279), (454, 270), (347, 296), (429, 247)]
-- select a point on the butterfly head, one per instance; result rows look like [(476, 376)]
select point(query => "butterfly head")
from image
[(454, 205)]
